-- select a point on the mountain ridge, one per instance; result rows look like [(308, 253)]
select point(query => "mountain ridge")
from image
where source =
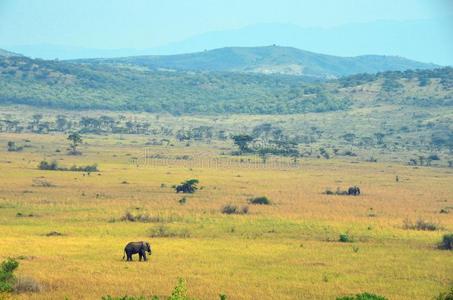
[(269, 60)]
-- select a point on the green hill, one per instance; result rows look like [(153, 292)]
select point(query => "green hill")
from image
[(123, 87), (270, 60)]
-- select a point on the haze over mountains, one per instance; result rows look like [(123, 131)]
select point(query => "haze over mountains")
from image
[(270, 60), (421, 40)]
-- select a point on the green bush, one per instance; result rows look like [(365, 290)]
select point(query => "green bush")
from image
[(53, 166), (180, 291), (7, 278), (260, 200), (445, 296), (447, 242), (44, 165), (344, 238), (363, 296)]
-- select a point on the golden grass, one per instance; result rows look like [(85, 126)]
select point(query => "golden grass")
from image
[(287, 250)]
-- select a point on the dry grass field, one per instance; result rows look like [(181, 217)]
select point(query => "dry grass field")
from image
[(287, 250)]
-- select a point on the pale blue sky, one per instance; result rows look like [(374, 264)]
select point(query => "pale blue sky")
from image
[(143, 24)]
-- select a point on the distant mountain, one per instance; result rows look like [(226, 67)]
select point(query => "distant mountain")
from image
[(270, 60), (427, 40), (6, 53)]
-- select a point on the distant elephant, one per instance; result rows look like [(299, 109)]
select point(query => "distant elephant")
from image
[(354, 190), (137, 247)]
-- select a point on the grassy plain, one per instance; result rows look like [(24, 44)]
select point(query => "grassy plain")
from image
[(288, 250)]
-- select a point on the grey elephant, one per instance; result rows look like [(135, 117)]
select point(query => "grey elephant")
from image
[(137, 247), (354, 190)]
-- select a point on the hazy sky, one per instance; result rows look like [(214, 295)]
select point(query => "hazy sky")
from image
[(145, 24)]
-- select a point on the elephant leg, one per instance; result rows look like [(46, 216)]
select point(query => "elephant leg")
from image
[(140, 255), (144, 256), (129, 257)]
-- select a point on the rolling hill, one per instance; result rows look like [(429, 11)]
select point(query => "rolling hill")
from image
[(269, 60), (70, 85)]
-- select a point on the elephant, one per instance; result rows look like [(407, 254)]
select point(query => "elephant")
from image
[(137, 247), (354, 190)]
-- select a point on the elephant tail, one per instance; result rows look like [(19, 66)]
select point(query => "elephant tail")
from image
[(124, 255)]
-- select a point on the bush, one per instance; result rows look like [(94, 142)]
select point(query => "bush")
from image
[(140, 217), (164, 231), (445, 296), (231, 209), (53, 166), (447, 242), (88, 168), (180, 291), (260, 200), (363, 296), (27, 284), (7, 278), (44, 165), (421, 224), (344, 238), (54, 233)]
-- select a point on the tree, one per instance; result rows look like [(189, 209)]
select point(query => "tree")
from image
[(11, 146), (188, 186), (75, 140), (7, 278), (61, 122), (242, 141)]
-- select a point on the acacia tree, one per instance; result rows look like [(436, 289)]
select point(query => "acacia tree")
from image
[(75, 140), (242, 141), (188, 186)]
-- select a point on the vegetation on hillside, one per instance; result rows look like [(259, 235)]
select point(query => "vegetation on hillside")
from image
[(74, 86)]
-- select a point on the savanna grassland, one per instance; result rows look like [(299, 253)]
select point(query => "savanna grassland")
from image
[(287, 250)]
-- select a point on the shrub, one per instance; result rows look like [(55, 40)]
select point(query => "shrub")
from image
[(421, 224), (7, 278), (180, 291), (260, 200), (344, 238), (164, 231), (53, 166), (88, 168), (447, 242), (231, 209), (44, 165), (140, 217), (182, 201), (27, 284), (39, 182), (12, 147), (445, 296), (363, 296), (54, 233)]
